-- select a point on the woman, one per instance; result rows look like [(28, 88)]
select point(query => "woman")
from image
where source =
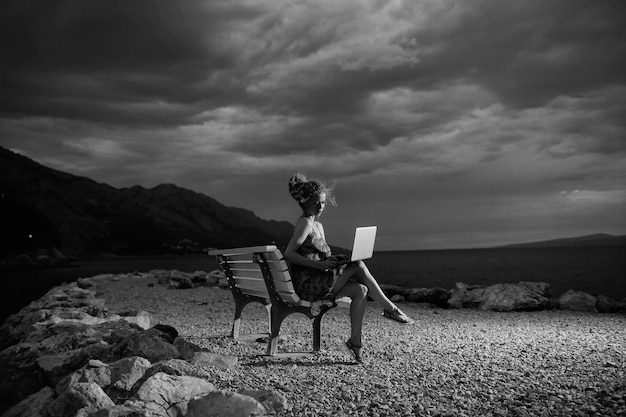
[(315, 271)]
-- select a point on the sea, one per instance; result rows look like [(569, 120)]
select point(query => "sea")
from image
[(595, 270)]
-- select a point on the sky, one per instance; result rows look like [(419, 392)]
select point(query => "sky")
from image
[(449, 124)]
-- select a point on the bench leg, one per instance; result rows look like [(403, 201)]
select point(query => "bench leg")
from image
[(277, 316), (268, 307), (234, 333), (317, 330), (240, 303), (278, 313)]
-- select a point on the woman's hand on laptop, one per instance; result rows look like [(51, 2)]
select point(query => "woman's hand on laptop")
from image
[(326, 264), (332, 262), (340, 259)]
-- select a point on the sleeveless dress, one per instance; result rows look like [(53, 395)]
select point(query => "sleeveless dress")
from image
[(309, 283)]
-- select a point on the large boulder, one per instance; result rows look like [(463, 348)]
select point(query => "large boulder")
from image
[(152, 344), (186, 348), (180, 283), (94, 371), (167, 395), (466, 296), (225, 404), (127, 371), (177, 367), (56, 367), (578, 301), (115, 332), (274, 402), (140, 318), (86, 396), (523, 296), (214, 277), (607, 304)]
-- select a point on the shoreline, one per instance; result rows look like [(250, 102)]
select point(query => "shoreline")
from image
[(593, 270), (16, 297), (450, 362)]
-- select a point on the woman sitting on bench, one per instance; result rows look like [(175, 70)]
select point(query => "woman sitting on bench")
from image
[(314, 269)]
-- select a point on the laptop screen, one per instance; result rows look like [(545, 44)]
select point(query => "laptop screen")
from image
[(363, 246)]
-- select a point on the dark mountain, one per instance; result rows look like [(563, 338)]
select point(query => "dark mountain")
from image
[(47, 213), (599, 239)]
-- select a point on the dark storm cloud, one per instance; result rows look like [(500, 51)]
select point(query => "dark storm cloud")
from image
[(101, 59), (432, 106), (530, 52), (98, 60)]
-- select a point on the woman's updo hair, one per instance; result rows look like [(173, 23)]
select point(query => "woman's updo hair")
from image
[(302, 190)]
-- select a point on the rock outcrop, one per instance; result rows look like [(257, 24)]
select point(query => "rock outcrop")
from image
[(524, 296), (607, 304), (66, 355), (529, 296), (578, 301)]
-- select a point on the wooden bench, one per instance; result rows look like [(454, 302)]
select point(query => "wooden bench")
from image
[(261, 274)]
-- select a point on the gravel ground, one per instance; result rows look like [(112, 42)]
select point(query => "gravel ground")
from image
[(449, 363)]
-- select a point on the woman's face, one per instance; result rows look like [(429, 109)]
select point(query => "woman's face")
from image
[(315, 205)]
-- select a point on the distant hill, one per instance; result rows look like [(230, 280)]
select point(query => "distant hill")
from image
[(599, 239), (50, 214)]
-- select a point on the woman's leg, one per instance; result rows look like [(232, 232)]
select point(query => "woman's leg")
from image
[(358, 294), (359, 272)]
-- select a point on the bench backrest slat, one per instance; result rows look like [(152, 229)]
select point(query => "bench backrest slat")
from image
[(250, 284), (246, 250), (248, 275), (250, 264), (247, 272), (244, 283)]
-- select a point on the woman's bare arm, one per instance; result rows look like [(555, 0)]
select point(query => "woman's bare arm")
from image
[(303, 228)]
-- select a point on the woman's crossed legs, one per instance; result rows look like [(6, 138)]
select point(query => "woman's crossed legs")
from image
[(357, 282)]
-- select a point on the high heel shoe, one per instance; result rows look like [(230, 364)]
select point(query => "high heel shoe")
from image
[(353, 348)]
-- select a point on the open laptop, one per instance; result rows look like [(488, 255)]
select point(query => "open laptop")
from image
[(363, 246)]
